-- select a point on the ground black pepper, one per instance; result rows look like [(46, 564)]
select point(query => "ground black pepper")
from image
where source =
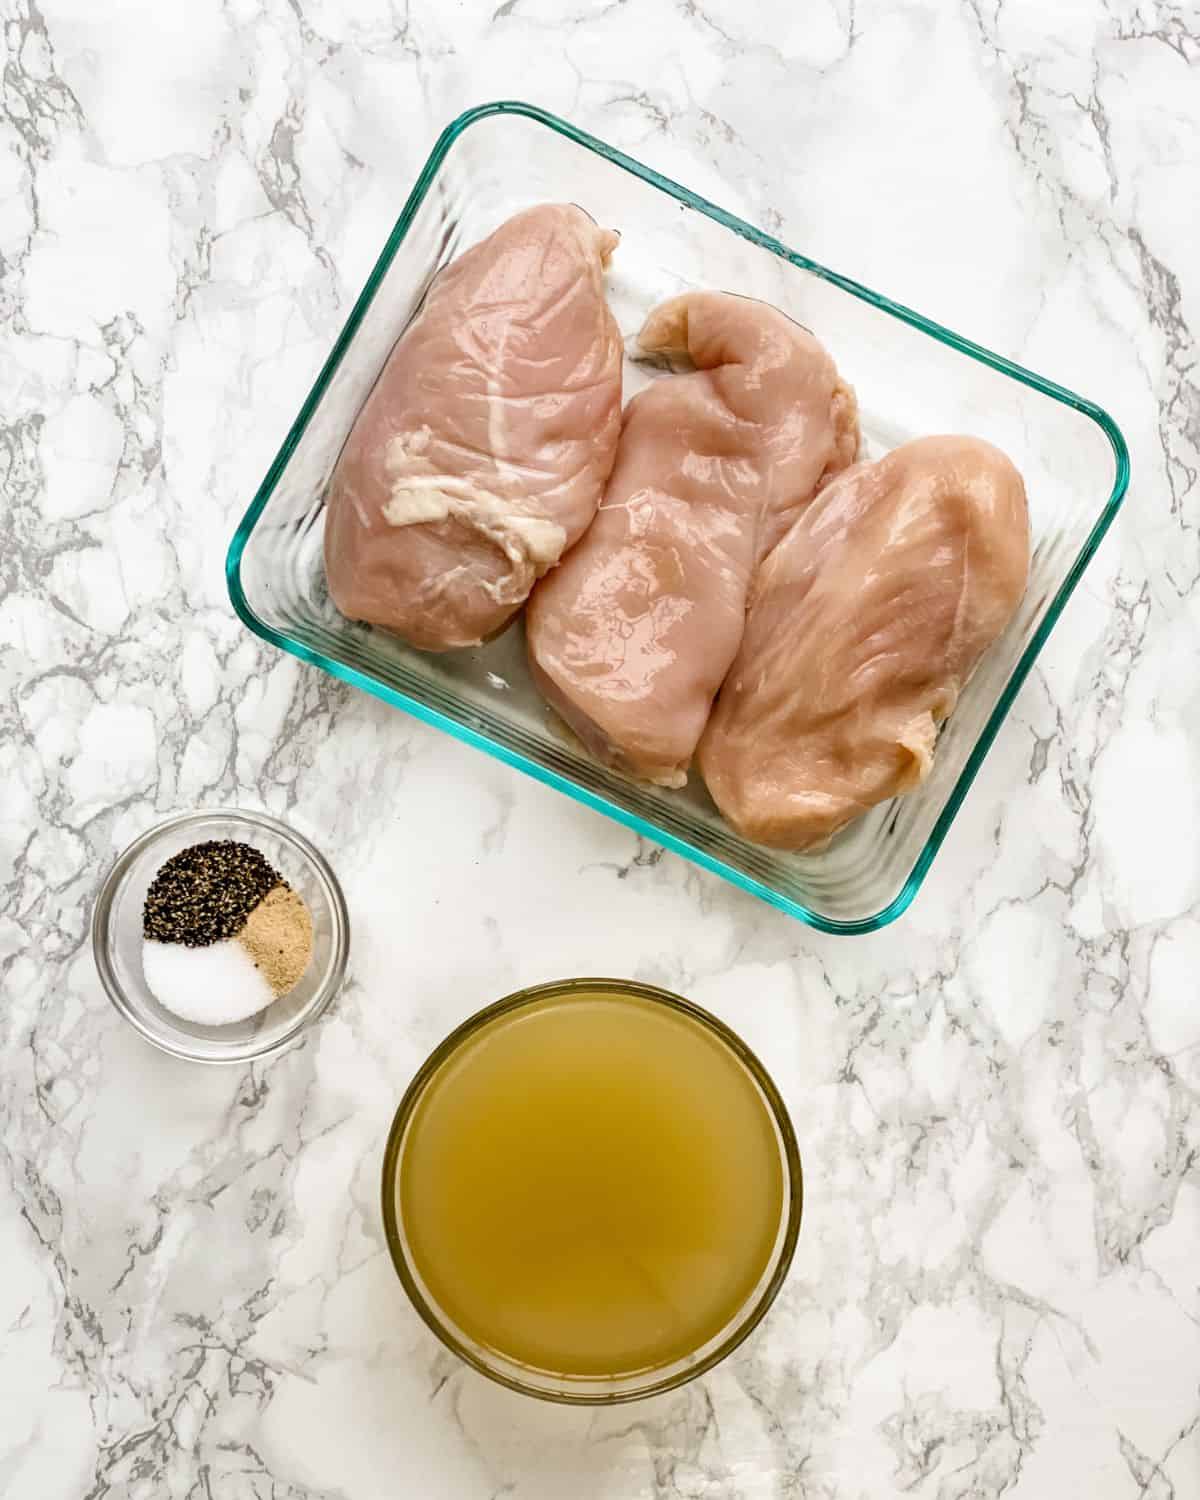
[(204, 893)]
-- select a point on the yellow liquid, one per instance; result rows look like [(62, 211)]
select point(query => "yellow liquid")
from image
[(592, 1185)]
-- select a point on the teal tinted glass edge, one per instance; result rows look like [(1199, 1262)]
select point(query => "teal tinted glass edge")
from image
[(900, 903)]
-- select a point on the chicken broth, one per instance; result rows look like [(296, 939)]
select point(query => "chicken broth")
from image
[(591, 1184)]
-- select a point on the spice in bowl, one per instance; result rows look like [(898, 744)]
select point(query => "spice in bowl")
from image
[(224, 934)]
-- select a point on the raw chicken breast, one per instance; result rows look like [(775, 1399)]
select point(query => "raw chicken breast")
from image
[(630, 636), (482, 452), (865, 623)]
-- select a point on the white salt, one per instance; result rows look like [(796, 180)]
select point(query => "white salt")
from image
[(211, 986)]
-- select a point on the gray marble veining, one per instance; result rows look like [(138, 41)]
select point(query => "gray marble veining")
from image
[(998, 1100)]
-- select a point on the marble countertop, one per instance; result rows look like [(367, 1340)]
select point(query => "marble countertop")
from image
[(998, 1099)]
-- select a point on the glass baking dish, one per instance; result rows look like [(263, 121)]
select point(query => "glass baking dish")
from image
[(912, 377)]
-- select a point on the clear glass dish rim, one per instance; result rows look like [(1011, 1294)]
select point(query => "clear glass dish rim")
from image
[(367, 683), (339, 913), (658, 1381)]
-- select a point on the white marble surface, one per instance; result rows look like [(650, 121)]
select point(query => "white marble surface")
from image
[(998, 1100)]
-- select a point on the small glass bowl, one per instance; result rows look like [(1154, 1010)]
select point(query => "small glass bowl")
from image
[(594, 1391), (117, 937)]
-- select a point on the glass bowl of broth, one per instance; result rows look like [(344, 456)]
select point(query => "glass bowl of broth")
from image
[(592, 1191)]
